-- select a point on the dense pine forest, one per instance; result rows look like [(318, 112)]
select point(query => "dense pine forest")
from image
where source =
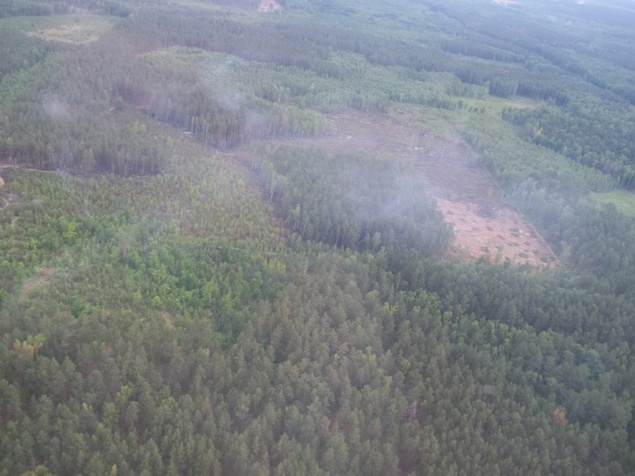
[(232, 241)]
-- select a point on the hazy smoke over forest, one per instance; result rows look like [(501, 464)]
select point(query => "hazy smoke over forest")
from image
[(361, 238)]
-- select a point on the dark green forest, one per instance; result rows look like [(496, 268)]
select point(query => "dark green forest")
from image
[(202, 273)]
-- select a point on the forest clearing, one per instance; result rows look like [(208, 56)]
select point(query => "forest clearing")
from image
[(77, 29), (498, 235), (485, 224)]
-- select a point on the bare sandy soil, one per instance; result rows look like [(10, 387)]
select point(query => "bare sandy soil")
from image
[(485, 225)]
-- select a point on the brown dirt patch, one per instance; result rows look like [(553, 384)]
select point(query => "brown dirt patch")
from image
[(495, 234)]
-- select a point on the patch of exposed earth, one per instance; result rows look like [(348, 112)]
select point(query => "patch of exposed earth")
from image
[(498, 235), (78, 33), (485, 225)]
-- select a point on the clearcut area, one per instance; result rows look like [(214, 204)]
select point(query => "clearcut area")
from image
[(486, 226)]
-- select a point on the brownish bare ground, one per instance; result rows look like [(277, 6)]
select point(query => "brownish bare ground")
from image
[(495, 234), (485, 225)]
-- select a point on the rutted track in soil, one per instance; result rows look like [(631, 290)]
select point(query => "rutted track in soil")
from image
[(485, 225)]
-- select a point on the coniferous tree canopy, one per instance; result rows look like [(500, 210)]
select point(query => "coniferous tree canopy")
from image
[(222, 246)]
